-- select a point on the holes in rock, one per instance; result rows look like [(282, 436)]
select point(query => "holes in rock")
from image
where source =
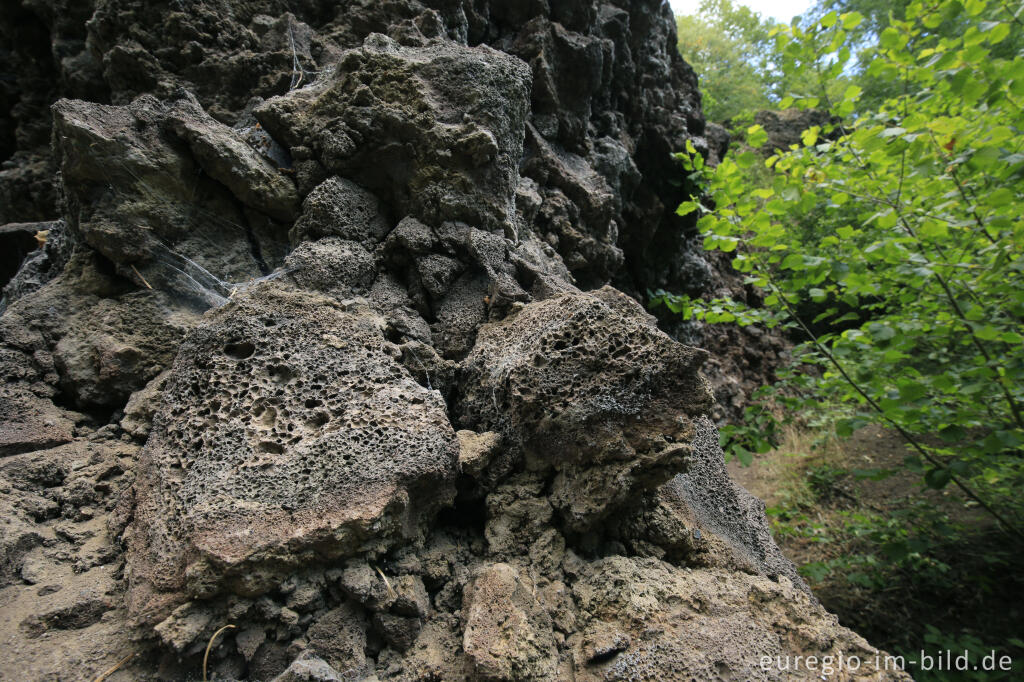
[(266, 414), (312, 402), (318, 420), (282, 374), (467, 513), (240, 350), (271, 447)]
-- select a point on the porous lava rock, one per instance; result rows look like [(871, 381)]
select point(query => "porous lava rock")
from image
[(187, 222), (586, 386), (437, 130), (265, 457), (650, 620)]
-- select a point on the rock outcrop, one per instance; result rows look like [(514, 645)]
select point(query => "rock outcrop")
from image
[(331, 339), (785, 128)]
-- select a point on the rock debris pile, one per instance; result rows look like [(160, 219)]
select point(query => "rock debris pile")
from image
[(326, 339)]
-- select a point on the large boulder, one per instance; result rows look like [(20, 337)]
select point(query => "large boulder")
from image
[(645, 619), (436, 130), (584, 385), (288, 435), (177, 200)]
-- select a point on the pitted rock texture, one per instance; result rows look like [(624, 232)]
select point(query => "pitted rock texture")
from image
[(288, 435), (648, 620), (299, 245), (586, 386), (437, 130), (601, 85)]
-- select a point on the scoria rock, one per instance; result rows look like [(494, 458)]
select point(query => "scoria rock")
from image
[(264, 458), (298, 245)]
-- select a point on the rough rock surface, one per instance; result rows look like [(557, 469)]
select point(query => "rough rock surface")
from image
[(785, 127), (288, 435), (321, 343)]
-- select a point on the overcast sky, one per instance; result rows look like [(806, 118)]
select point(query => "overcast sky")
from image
[(783, 10)]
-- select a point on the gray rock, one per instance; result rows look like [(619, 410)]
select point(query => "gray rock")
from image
[(508, 633), (142, 406), (339, 637), (229, 159), (184, 626), (585, 385), (435, 131), (41, 264), (100, 342), (333, 266), (399, 632), (340, 208), (309, 668), (633, 627), (288, 456), (140, 199)]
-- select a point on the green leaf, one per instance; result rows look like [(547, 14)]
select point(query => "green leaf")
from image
[(911, 391), (953, 433), (890, 39), (686, 208), (974, 7), (881, 332), (937, 478), (852, 92), (986, 332), (998, 34), (851, 20), (756, 136)]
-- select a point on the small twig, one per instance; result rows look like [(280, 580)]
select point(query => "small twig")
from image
[(139, 274), (209, 646), (391, 592), (114, 669)]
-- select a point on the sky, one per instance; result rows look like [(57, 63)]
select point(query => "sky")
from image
[(783, 10)]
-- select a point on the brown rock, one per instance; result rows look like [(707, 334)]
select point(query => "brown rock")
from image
[(508, 634)]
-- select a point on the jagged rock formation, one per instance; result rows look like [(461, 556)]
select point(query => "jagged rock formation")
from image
[(321, 345)]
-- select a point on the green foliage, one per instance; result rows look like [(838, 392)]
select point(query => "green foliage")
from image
[(879, 16), (915, 258), (975, 649), (729, 85), (733, 50)]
